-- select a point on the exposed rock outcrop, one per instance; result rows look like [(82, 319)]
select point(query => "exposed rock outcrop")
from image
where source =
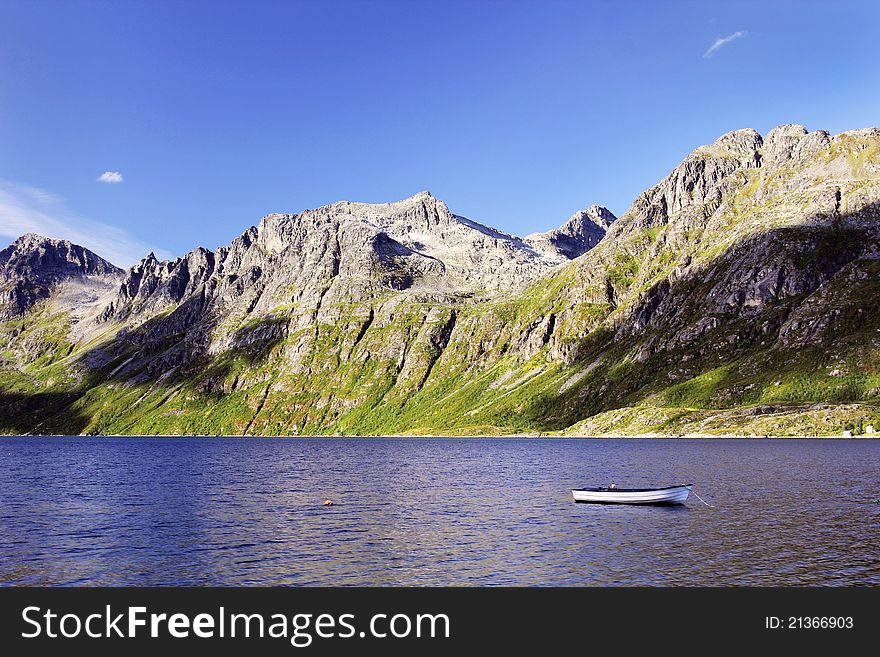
[(33, 265), (583, 230)]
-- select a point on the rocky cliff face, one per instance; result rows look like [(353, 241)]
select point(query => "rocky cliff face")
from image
[(746, 279), (579, 234), (32, 266), (315, 267), (754, 221), (349, 252)]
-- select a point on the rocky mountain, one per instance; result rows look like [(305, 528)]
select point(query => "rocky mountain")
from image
[(318, 267), (345, 252), (738, 295), (33, 265), (582, 231)]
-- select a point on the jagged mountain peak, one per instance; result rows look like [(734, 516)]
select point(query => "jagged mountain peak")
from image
[(35, 238), (711, 174), (421, 198), (783, 142), (39, 254), (860, 134), (34, 241), (33, 265), (382, 215), (743, 144), (581, 232), (348, 251), (425, 223), (788, 143), (795, 130), (743, 189), (422, 205), (594, 214), (423, 195), (468, 250), (740, 134), (792, 142)]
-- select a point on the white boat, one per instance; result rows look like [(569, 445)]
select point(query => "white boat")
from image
[(614, 495)]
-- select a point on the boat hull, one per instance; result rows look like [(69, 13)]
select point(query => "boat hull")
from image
[(658, 496)]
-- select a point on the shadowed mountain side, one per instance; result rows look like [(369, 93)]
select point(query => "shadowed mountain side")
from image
[(790, 350), (41, 412)]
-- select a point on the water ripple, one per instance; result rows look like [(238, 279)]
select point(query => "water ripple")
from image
[(129, 511)]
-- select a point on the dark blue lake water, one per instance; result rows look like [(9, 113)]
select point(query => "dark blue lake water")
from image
[(162, 511)]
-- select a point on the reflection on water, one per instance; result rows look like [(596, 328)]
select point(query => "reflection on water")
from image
[(150, 511)]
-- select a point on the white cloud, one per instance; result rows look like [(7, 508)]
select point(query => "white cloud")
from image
[(720, 42), (110, 177), (26, 209)]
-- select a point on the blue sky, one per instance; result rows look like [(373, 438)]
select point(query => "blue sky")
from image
[(516, 114)]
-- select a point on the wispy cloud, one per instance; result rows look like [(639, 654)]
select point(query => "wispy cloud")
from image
[(110, 177), (41, 196), (720, 42), (26, 209)]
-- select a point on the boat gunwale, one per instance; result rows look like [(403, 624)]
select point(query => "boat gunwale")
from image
[(631, 490)]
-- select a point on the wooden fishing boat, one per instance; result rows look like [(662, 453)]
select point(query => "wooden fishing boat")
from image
[(613, 495)]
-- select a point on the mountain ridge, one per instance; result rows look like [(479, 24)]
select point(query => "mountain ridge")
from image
[(737, 282)]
